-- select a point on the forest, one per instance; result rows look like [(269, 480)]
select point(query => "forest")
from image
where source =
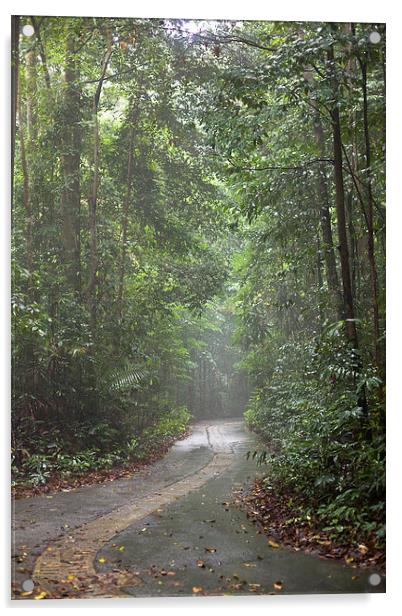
[(198, 230)]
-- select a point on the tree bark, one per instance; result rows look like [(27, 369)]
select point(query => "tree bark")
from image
[(70, 158), (42, 53), (27, 138), (15, 39), (93, 200), (26, 190), (28, 145), (319, 280), (348, 303), (325, 221), (370, 220), (124, 226)]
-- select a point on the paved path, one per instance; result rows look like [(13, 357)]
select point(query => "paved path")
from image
[(168, 530)]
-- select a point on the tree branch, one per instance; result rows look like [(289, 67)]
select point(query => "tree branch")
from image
[(281, 168)]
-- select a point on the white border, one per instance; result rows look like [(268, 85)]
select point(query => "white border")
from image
[(307, 10)]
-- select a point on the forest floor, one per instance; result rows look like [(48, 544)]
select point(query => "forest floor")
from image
[(277, 513), (171, 529)]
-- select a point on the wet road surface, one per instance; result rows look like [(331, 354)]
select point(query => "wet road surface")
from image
[(171, 531)]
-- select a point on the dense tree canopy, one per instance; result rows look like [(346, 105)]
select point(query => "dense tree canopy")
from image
[(199, 228)]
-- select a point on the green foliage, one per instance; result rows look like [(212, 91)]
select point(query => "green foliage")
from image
[(46, 454), (201, 267), (317, 402), (172, 423), (316, 432), (104, 302)]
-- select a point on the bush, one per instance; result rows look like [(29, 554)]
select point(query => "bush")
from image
[(321, 445), (52, 457), (172, 423)]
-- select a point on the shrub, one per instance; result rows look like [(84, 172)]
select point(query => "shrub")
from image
[(321, 445)]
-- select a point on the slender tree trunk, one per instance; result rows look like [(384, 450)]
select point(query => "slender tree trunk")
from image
[(15, 63), (93, 200), (351, 330), (370, 221), (348, 303), (319, 280), (42, 53), (28, 146), (350, 227), (124, 226), (26, 191), (71, 145), (325, 222)]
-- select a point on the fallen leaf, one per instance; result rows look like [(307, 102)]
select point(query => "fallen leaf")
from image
[(102, 559), (197, 589), (210, 550), (278, 585), (200, 563), (41, 595), (273, 543)]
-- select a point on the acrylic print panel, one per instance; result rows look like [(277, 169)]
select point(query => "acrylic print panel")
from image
[(198, 307)]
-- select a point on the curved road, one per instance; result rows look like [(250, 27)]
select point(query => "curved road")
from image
[(168, 530)]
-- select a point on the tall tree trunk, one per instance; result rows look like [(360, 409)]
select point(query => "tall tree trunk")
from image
[(42, 53), (92, 206), (28, 146), (370, 220), (325, 221), (15, 40), (319, 280), (350, 227), (27, 138), (348, 303), (124, 226), (70, 158), (93, 198), (26, 191), (351, 330)]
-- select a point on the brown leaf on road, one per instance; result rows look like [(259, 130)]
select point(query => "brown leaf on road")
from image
[(197, 589), (278, 585)]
